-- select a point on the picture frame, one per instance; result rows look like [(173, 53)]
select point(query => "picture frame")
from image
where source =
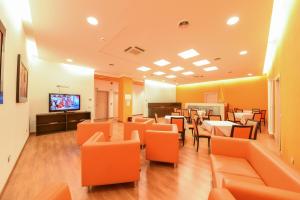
[(2, 42), (22, 81)]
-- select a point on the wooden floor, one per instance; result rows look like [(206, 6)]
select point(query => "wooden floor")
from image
[(55, 158)]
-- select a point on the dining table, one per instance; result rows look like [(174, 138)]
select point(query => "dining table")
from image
[(243, 116), (221, 128)]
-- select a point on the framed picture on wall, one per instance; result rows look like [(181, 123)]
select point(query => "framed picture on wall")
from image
[(2, 37), (22, 81)]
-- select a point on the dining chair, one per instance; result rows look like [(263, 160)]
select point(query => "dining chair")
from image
[(156, 118), (175, 113), (186, 114), (200, 133), (239, 131), (255, 110), (178, 110), (210, 112), (238, 110), (179, 121), (251, 122), (263, 116), (193, 113), (215, 117), (257, 118), (231, 118)]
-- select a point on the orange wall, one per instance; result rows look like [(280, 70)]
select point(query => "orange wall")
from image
[(287, 66), (246, 93), (125, 87)]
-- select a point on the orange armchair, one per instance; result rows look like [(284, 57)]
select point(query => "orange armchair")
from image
[(250, 172), (139, 124), (110, 162), (220, 194), (162, 143), (56, 192), (88, 128)]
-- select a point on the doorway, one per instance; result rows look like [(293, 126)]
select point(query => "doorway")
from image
[(101, 104)]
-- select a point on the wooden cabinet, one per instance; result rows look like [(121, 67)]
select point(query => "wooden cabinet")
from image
[(54, 122), (162, 109)]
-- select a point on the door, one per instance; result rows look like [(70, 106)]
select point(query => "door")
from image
[(101, 105)]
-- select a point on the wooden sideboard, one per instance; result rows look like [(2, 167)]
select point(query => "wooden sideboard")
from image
[(162, 109), (54, 122)]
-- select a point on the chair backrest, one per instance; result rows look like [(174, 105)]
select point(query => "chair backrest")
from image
[(195, 125), (257, 117), (193, 113), (239, 131), (185, 112), (238, 110), (231, 116), (179, 121), (255, 110), (251, 122), (263, 114), (175, 114), (156, 118), (210, 112), (215, 117)]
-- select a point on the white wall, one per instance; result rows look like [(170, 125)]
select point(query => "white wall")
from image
[(138, 98), (14, 118), (158, 92), (112, 87), (46, 76)]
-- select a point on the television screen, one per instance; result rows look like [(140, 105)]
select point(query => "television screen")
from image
[(63, 102)]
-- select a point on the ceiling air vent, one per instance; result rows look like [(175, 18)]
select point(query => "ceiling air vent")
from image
[(134, 50)]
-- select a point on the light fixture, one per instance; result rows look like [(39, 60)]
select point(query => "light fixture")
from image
[(188, 73), (92, 21), (177, 68), (244, 52), (144, 76), (161, 62), (209, 69), (69, 60), (233, 20), (188, 54), (171, 76), (201, 62), (159, 73), (143, 68), (250, 74)]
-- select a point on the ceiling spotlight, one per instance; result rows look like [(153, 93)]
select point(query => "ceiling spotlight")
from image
[(143, 68), (188, 73), (233, 20), (161, 62), (209, 69), (171, 76), (188, 54), (92, 21), (201, 62), (244, 52), (177, 68), (159, 73)]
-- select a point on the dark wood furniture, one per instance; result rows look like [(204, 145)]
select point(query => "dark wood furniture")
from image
[(162, 109), (54, 122)]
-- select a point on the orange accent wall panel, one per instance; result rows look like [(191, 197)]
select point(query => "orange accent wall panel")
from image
[(125, 105)]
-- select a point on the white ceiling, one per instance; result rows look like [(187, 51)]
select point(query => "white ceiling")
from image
[(61, 32)]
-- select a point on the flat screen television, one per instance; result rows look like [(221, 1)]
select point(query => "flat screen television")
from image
[(63, 102)]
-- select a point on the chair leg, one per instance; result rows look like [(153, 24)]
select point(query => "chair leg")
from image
[(194, 140), (208, 144), (183, 138), (198, 141)]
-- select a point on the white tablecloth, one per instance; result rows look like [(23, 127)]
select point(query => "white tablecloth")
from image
[(168, 121), (243, 117), (224, 126), (201, 113)]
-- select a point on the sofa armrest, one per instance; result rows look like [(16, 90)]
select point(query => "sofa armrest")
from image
[(55, 192), (220, 194), (241, 191), (227, 146)]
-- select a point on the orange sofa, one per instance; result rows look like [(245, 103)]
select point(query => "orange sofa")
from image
[(250, 172), (162, 143), (139, 124), (55, 192), (109, 162), (86, 129)]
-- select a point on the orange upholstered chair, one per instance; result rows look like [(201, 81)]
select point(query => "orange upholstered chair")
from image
[(220, 194), (138, 124), (110, 162), (238, 131), (58, 191), (88, 128), (249, 171), (179, 121), (162, 143), (257, 118)]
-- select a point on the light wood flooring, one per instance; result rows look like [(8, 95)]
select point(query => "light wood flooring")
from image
[(55, 158)]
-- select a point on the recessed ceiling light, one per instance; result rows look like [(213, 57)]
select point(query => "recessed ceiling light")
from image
[(188, 54), (143, 68), (171, 76), (177, 68), (250, 74), (161, 62), (233, 20), (201, 62), (69, 60), (188, 73), (92, 21), (159, 73), (244, 52), (208, 69)]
